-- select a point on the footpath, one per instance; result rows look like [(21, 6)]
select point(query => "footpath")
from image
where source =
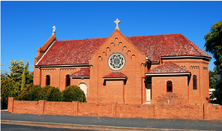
[(108, 123)]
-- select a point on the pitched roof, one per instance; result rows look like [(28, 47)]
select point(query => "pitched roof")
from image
[(155, 46), (70, 52), (82, 73), (168, 67), (116, 75)]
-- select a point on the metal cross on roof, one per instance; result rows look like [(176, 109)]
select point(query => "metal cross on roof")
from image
[(117, 21), (54, 28)]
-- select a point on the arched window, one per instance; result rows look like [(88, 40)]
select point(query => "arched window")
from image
[(47, 80), (194, 82), (83, 87), (67, 80), (169, 86)]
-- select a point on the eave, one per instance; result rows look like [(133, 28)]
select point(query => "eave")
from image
[(114, 78), (74, 65), (187, 57), (168, 74)]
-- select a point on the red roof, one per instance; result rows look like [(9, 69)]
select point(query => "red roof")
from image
[(154, 46), (115, 75), (82, 73), (168, 67)]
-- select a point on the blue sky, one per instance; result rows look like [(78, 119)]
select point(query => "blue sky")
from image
[(25, 26)]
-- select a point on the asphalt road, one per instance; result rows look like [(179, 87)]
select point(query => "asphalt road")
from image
[(117, 122), (11, 127)]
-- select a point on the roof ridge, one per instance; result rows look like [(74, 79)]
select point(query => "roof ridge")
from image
[(126, 37), (156, 35), (81, 39)]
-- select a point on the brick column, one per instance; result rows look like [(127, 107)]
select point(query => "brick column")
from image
[(41, 106), (11, 104), (114, 105), (75, 107)]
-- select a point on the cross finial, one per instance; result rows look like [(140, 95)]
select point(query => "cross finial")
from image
[(54, 28), (117, 21)]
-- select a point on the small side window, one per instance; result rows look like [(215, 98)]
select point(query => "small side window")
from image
[(47, 80), (169, 86), (194, 82), (67, 80)]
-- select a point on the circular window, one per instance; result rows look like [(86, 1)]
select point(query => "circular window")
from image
[(116, 61)]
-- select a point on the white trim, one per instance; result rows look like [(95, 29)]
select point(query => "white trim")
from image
[(74, 65), (166, 74), (180, 57), (114, 78), (45, 52)]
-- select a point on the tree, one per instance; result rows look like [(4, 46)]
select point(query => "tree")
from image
[(8, 89), (3, 76), (19, 73), (24, 74), (214, 77), (29, 78), (213, 43), (15, 71)]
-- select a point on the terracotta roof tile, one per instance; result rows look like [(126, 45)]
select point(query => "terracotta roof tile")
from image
[(154, 46), (115, 75), (168, 67), (81, 73)]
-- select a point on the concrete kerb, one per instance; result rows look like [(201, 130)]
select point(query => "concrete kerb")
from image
[(79, 126)]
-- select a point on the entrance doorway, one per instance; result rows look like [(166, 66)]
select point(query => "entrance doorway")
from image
[(83, 87), (148, 84)]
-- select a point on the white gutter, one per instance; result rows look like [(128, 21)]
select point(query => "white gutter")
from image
[(166, 74), (182, 57), (74, 65), (114, 78)]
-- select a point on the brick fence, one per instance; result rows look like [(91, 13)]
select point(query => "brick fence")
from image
[(201, 112)]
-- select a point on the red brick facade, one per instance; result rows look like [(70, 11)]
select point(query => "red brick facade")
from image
[(114, 109), (159, 58)]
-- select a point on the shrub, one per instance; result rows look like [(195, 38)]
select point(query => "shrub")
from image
[(31, 93), (8, 89), (51, 93), (45, 90), (73, 93)]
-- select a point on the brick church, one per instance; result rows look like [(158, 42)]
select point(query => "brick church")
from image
[(134, 70)]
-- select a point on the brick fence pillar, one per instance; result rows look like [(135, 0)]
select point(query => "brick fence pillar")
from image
[(75, 107), (41, 106), (11, 103), (114, 106)]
